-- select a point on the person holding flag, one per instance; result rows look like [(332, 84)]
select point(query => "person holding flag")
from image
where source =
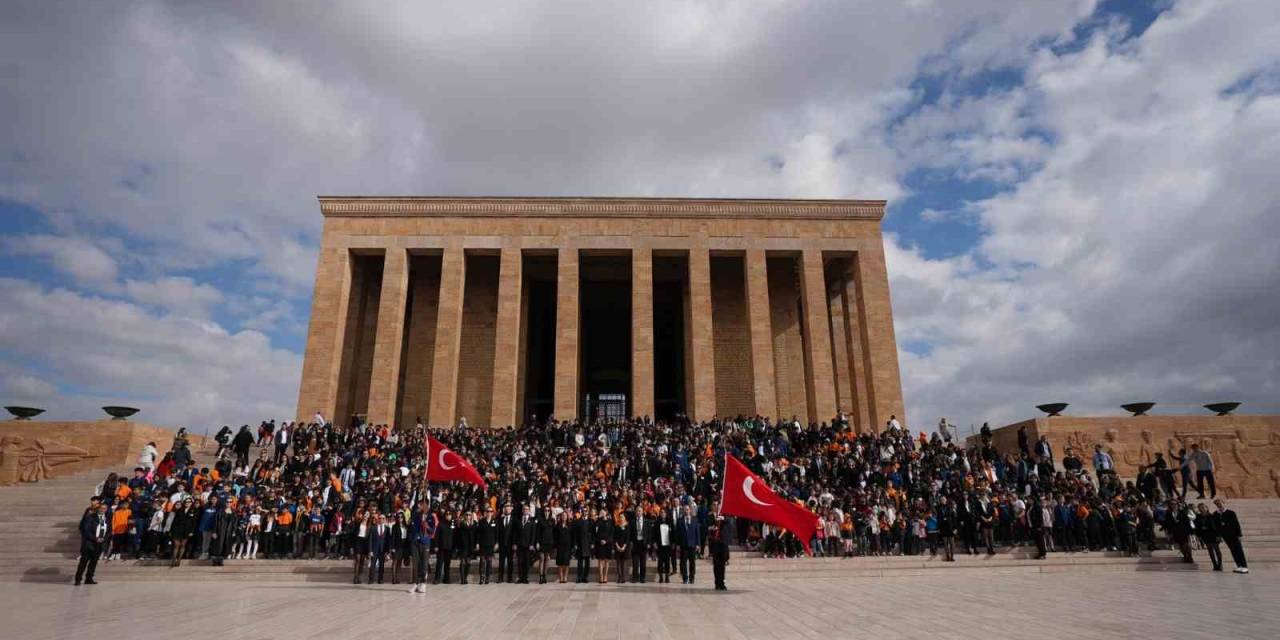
[(444, 465), (746, 495)]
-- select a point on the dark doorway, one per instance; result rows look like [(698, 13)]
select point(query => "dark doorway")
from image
[(670, 283), (604, 302), (539, 370)]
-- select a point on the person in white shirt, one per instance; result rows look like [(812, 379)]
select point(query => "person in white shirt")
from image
[(944, 429), (147, 460)]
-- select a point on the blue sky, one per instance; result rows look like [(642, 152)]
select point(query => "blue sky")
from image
[(1078, 192)]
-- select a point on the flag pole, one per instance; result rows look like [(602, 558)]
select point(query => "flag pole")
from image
[(724, 477)]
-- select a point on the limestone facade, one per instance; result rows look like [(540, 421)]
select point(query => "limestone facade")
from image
[(435, 309)]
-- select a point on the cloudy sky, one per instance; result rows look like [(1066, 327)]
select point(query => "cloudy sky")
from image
[(1084, 197)]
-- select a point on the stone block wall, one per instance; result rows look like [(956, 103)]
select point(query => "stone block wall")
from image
[(476, 350), (731, 334)]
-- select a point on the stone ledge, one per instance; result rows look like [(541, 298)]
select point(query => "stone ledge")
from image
[(354, 206)]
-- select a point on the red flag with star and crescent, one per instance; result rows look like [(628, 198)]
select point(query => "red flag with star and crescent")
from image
[(747, 496), (444, 465)]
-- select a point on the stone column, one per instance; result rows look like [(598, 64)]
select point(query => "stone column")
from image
[(859, 418), (565, 401), (444, 370), (507, 340), (758, 314), (642, 332), (819, 383), (879, 346), (839, 348), (701, 344), (384, 384), (319, 388)]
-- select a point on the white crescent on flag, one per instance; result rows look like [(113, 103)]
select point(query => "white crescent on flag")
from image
[(746, 489), (440, 459)]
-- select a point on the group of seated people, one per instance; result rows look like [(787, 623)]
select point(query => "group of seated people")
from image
[(622, 493)]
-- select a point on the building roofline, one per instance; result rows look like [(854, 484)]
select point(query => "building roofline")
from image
[(617, 207)]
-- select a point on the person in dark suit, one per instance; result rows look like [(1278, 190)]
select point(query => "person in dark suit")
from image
[(506, 546), (1207, 532), (641, 532), (546, 537), (93, 532), (1178, 523), (445, 541), (563, 545), (1229, 529), (688, 538), (486, 539), (719, 545), (379, 546), (525, 535), (583, 537), (947, 523), (1041, 517), (464, 543)]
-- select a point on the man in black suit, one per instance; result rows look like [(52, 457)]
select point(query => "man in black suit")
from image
[(524, 535), (446, 535), (640, 531), (583, 534), (688, 536), (379, 546), (1229, 529), (93, 532), (1041, 517), (506, 572), (719, 544)]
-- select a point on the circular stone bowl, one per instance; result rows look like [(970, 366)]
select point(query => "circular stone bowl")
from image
[(1138, 408), (24, 413), (120, 413), (1222, 408), (1053, 408)]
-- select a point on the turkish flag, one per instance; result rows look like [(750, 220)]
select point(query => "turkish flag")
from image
[(747, 496), (443, 464)]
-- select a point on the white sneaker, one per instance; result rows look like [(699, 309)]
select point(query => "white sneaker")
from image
[(1242, 569)]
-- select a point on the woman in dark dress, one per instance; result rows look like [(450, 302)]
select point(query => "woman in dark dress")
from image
[(564, 545), (546, 542), (604, 544), (621, 546), (181, 527)]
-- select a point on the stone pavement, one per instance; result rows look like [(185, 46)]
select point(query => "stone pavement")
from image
[(952, 605)]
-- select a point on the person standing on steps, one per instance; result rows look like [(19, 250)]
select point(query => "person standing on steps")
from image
[(93, 531), (486, 541), (1207, 532), (1229, 529), (719, 551)]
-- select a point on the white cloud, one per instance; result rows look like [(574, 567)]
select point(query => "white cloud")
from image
[(1139, 262), (75, 257), (177, 370), (179, 295)]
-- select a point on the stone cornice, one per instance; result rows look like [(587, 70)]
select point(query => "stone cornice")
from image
[(358, 206)]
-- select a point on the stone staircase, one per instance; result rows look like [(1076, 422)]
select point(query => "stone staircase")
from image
[(40, 544)]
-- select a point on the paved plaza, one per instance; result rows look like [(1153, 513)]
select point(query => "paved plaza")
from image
[(960, 605)]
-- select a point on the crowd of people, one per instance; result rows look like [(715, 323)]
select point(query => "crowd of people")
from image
[(562, 495)]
